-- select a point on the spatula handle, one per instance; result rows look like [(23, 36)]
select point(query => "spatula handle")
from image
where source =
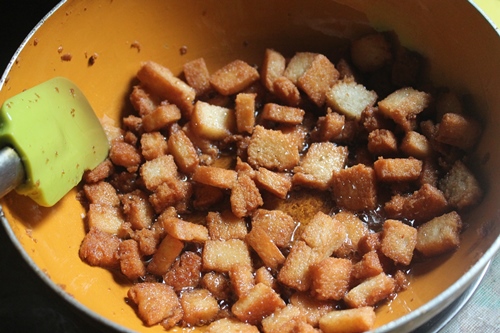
[(11, 170)]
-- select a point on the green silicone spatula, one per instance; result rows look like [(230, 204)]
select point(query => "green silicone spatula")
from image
[(49, 136)]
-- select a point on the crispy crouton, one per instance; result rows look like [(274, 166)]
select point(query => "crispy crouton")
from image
[(234, 77), (298, 65), (105, 218), (217, 283), (348, 321), (459, 131), (286, 91), (416, 145), (101, 193), (404, 105), (148, 240), (439, 235), (282, 114), (273, 66), (214, 176), (131, 264), (421, 205), (100, 248), (225, 225), (161, 117), (242, 279), (137, 209), (142, 101), (272, 149), (157, 171), (295, 272), (260, 302), (330, 278), (245, 112), (199, 307), (197, 76), (382, 142), (165, 256), (370, 291), (263, 275), (319, 164), (162, 82), (183, 150), (156, 303), (212, 122), (324, 234), (173, 192), (354, 188), (283, 320), (153, 145), (460, 187), (398, 241), (245, 196), (277, 224), (350, 98), (330, 126), (318, 78), (229, 325), (355, 229), (397, 169), (125, 155), (368, 266), (312, 308), (278, 183), (100, 172), (221, 255), (371, 52), (262, 243), (185, 272)]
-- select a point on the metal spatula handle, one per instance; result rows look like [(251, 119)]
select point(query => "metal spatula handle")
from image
[(11, 170)]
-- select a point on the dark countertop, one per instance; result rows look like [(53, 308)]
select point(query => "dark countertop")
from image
[(28, 305)]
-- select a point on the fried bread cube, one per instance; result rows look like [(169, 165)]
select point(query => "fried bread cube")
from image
[(439, 235), (157, 171), (398, 241), (330, 278), (234, 77), (183, 150), (184, 230), (263, 275), (225, 225), (229, 325), (397, 169), (317, 79), (221, 255), (277, 224), (298, 65), (416, 145), (164, 115), (245, 196), (458, 130), (286, 91), (348, 321), (105, 218), (318, 165), (197, 76), (131, 264), (368, 266), (173, 192), (137, 209), (217, 283), (382, 142), (460, 187), (354, 188), (125, 155), (142, 101), (166, 254), (101, 193), (370, 291), (371, 52), (260, 302), (295, 272), (153, 145), (355, 229), (199, 307), (310, 307), (212, 122), (262, 243), (283, 320), (162, 82), (272, 149), (245, 112), (330, 126), (156, 303), (282, 114), (215, 176), (185, 273), (100, 248), (273, 67), (404, 105), (242, 279), (277, 183), (350, 98)]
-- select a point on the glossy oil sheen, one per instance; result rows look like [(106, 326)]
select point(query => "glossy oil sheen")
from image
[(462, 47)]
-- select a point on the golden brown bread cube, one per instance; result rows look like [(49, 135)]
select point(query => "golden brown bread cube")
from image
[(382, 142), (157, 171), (100, 248), (421, 205), (310, 307), (263, 275), (173, 192), (277, 224), (212, 122), (355, 229), (348, 321), (162, 82), (242, 279), (153, 145), (404, 105), (330, 278), (439, 235), (458, 130), (330, 126), (460, 187), (283, 320), (260, 302), (217, 283), (273, 67), (221, 255), (199, 307), (197, 76), (125, 155), (272, 149), (156, 303), (295, 272), (234, 77), (416, 145), (298, 65), (215, 176), (105, 218), (164, 115), (225, 225), (185, 273), (245, 196), (371, 52), (354, 188), (324, 234), (370, 291), (131, 264), (277, 183), (286, 91), (398, 241), (142, 101), (262, 243), (245, 112), (101, 193), (397, 169), (318, 165), (230, 325), (350, 98), (368, 266), (100, 172), (183, 150), (318, 78), (282, 114), (184, 230), (168, 250)]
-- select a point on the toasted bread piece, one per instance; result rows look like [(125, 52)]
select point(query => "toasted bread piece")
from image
[(183, 150), (225, 225), (197, 76), (278, 183), (221, 255), (105, 218), (260, 302), (137, 209), (153, 145), (330, 126), (245, 112), (416, 145), (245, 196), (354, 188), (277, 224), (317, 79), (282, 114), (161, 117), (229, 325), (458, 130), (100, 248), (370, 291), (355, 229), (215, 176), (262, 243), (348, 321), (324, 234), (185, 273), (286, 319), (295, 272), (330, 278), (368, 266), (439, 235), (312, 308), (234, 77), (183, 230), (157, 171), (460, 187), (382, 142), (397, 169), (212, 122), (350, 98), (242, 279), (273, 67), (398, 241), (131, 264), (286, 91), (199, 307), (168, 250)]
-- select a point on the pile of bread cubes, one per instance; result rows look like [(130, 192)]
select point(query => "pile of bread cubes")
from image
[(181, 206)]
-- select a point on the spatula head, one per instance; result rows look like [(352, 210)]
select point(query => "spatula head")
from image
[(56, 133)]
